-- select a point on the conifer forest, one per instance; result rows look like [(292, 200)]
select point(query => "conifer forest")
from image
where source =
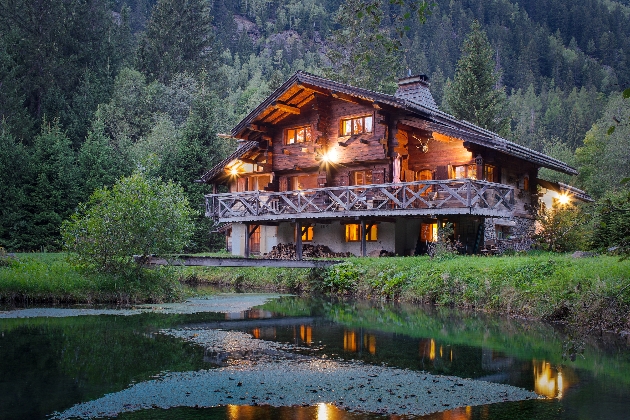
[(93, 90)]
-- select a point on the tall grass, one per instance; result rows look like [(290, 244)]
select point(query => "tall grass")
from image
[(46, 277), (592, 292)]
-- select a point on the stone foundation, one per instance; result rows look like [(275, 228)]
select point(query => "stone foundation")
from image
[(518, 237)]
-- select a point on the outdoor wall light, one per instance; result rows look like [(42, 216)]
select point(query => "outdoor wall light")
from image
[(330, 156), (564, 199)]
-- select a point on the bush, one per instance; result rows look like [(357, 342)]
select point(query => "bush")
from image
[(137, 216), (612, 229), (564, 228)]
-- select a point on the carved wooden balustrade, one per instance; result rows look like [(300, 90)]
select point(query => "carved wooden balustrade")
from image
[(434, 197)]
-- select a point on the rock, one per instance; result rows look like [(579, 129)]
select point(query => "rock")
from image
[(582, 254)]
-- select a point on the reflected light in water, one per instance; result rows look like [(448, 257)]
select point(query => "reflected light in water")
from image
[(349, 341), (256, 332), (547, 381), (458, 414), (432, 351), (306, 334), (369, 342), (322, 411), (237, 412)]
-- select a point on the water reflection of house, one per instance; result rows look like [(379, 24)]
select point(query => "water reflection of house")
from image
[(552, 381), (353, 342)]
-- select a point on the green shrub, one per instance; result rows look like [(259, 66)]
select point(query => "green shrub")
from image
[(137, 216)]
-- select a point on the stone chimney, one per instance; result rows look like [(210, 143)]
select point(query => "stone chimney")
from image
[(416, 89)]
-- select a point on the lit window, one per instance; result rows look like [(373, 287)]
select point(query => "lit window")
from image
[(358, 125), (307, 233), (298, 135), (361, 177), (428, 232), (464, 171), (488, 173), (353, 233)]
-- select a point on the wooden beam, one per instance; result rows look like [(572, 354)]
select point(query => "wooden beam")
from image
[(246, 254), (287, 108), (363, 238), (187, 261), (314, 89), (298, 245), (258, 127), (344, 97), (306, 100)]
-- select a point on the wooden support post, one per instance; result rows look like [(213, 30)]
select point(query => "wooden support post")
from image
[(246, 240), (298, 241), (363, 238)]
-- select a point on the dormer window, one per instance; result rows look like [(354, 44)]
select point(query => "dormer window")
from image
[(298, 135), (357, 125)]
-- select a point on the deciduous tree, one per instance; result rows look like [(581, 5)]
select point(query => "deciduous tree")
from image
[(137, 216)]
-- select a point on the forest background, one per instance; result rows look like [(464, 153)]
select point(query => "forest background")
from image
[(94, 90)]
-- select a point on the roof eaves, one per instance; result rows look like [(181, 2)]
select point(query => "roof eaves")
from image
[(219, 167)]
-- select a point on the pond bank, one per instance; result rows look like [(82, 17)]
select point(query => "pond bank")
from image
[(591, 293)]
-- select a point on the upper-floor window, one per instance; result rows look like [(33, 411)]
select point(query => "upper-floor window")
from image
[(360, 177), (298, 135), (357, 125), (488, 173), (463, 171)]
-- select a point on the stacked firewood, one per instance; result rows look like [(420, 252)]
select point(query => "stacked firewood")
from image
[(287, 252)]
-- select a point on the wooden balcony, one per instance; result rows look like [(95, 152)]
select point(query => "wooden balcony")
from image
[(436, 197)]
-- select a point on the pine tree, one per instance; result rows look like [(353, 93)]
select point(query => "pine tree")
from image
[(55, 186), (474, 95), (99, 164), (14, 183), (178, 39)]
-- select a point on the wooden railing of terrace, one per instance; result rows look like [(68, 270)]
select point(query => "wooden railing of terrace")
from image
[(430, 197)]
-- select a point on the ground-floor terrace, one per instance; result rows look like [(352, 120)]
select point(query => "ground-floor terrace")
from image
[(400, 219)]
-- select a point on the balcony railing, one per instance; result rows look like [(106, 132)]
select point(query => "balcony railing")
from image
[(453, 196)]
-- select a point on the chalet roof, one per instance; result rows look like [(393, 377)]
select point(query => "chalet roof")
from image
[(218, 169), (562, 188), (300, 89)]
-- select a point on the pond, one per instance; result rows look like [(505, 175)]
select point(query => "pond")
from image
[(254, 356)]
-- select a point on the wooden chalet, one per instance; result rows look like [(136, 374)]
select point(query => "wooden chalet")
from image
[(326, 163)]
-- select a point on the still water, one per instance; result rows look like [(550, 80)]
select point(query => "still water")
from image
[(47, 365)]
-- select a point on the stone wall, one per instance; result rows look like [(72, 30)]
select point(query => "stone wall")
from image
[(518, 237)]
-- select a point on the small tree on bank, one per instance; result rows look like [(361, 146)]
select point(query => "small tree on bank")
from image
[(137, 216)]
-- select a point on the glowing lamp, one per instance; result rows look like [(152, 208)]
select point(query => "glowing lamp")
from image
[(330, 156), (564, 199), (234, 171)]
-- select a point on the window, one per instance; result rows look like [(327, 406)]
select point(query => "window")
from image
[(298, 135), (428, 232), (360, 177), (488, 173), (307, 233), (463, 171), (358, 125), (254, 241), (353, 233)]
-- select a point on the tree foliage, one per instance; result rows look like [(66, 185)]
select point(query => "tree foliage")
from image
[(564, 228), (474, 94), (362, 52), (178, 39), (137, 216), (612, 227), (604, 159)]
